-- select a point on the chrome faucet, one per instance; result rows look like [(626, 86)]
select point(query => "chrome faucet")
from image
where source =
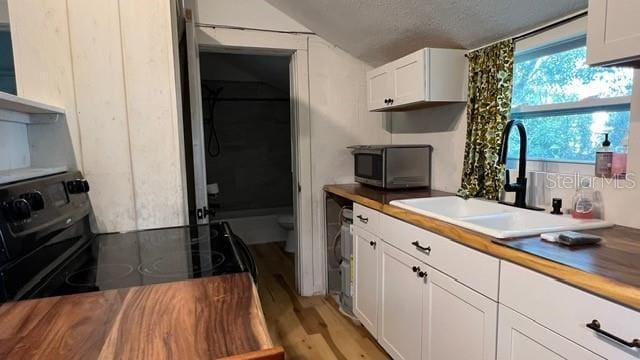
[(520, 186)]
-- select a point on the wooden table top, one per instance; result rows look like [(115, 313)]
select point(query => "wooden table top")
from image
[(610, 270), (205, 318)]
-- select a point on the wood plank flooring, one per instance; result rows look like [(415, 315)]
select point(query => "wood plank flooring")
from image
[(307, 327)]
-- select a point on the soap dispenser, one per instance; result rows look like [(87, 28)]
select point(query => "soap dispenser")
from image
[(604, 159)]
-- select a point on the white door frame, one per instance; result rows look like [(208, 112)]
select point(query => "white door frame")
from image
[(295, 45), (195, 105)]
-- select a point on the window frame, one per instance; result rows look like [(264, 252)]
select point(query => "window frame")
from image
[(562, 38)]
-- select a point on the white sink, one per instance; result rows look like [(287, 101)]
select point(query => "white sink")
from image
[(493, 219)]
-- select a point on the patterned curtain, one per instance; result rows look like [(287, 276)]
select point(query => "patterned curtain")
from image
[(488, 106)]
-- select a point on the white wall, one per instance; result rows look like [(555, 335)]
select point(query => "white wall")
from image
[(14, 146), (442, 127), (4, 12), (336, 101), (255, 14), (110, 64)]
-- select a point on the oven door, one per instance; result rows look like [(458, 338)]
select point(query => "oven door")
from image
[(369, 167)]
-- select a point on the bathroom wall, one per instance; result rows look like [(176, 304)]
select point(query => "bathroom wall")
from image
[(253, 169)]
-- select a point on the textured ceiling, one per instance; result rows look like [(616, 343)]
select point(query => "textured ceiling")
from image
[(378, 31)]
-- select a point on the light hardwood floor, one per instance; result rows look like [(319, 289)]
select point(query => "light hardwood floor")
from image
[(307, 327)]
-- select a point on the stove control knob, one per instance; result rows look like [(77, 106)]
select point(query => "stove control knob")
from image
[(85, 186), (20, 209), (77, 186), (35, 200)]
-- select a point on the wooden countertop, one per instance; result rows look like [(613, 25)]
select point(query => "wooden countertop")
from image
[(610, 270), (205, 318)]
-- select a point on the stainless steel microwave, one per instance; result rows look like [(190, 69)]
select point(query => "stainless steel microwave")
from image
[(393, 166)]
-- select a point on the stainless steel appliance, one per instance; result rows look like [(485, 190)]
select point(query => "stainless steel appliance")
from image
[(393, 166), (47, 247)]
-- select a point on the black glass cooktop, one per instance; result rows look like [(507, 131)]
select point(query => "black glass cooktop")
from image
[(110, 261)]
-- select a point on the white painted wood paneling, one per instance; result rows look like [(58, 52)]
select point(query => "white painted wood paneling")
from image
[(110, 65), (43, 65), (148, 70), (96, 48)]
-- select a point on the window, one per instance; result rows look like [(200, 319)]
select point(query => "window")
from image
[(566, 105)]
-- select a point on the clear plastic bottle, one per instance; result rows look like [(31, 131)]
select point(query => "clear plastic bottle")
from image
[(587, 203)]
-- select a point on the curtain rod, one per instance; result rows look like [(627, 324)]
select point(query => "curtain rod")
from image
[(231, 27), (537, 30), (550, 26)]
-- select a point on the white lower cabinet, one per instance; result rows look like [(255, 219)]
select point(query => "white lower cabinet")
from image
[(520, 338), (365, 304), (424, 297), (400, 310), (459, 323), (421, 312)]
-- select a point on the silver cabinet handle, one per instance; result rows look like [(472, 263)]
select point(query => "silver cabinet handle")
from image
[(363, 219)]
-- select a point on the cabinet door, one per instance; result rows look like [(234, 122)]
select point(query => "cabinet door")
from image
[(379, 87), (459, 323), (520, 338), (366, 279), (409, 79), (400, 314), (613, 34)]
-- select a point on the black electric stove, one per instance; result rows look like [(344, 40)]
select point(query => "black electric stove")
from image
[(47, 247)]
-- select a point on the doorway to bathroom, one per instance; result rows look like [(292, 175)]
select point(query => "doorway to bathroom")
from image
[(248, 147)]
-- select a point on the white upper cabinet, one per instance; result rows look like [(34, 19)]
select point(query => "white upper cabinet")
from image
[(613, 35), (424, 78), (380, 87)]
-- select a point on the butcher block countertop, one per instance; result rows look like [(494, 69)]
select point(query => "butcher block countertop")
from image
[(610, 270), (205, 318)]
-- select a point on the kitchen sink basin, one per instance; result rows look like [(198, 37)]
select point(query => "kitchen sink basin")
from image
[(494, 219)]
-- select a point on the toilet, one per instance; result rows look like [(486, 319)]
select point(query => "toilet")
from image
[(286, 222)]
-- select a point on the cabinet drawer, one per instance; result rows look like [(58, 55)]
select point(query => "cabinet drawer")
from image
[(366, 218), (470, 267), (567, 310)]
